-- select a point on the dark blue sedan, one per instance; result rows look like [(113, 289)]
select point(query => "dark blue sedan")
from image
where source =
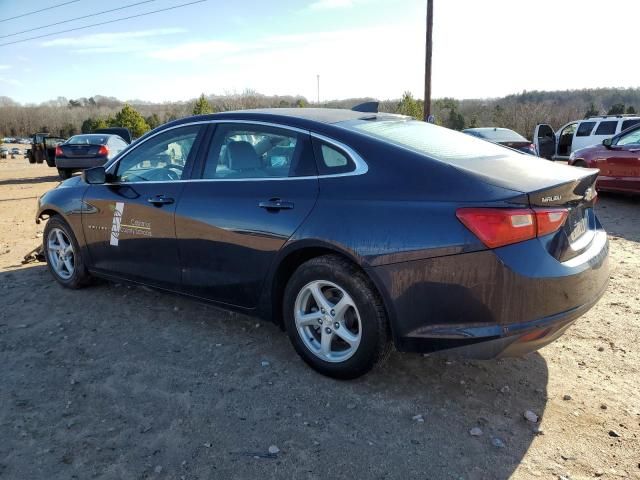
[(353, 231)]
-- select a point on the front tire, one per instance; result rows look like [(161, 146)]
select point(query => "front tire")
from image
[(62, 253), (64, 173), (335, 319)]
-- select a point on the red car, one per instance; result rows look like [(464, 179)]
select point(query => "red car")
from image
[(617, 158)]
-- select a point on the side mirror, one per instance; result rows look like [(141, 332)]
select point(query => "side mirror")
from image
[(607, 142), (94, 176)]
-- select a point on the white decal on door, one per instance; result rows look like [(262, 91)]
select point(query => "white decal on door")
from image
[(115, 226)]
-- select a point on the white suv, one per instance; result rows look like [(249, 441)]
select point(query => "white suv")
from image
[(579, 134)]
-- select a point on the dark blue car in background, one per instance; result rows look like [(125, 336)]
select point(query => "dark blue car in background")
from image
[(354, 231)]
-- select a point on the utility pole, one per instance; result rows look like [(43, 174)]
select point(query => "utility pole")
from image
[(318, 89), (427, 61)]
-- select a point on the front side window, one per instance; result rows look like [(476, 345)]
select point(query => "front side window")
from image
[(607, 128), (631, 138), (247, 151), (161, 158), (585, 129)]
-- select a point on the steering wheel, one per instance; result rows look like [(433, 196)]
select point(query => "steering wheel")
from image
[(173, 171)]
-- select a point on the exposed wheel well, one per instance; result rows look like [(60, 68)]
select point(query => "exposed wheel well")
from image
[(47, 214), (579, 163)]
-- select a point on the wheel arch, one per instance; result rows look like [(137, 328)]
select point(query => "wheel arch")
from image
[(294, 255), (580, 162), (47, 212), (73, 219)]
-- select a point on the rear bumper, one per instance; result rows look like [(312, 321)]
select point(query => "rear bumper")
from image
[(79, 163), (507, 301)]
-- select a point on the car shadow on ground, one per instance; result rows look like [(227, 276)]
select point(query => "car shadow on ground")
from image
[(30, 180), (614, 209), (127, 382)]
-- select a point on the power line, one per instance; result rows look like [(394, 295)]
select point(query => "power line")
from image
[(38, 11), (101, 23), (77, 18)]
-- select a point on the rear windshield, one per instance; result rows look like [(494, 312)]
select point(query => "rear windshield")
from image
[(436, 142), (88, 140), (500, 135)]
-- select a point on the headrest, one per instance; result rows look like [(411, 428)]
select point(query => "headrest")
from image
[(242, 156)]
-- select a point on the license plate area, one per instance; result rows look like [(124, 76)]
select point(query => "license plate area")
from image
[(579, 224)]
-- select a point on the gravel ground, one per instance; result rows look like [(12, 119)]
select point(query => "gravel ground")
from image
[(123, 382)]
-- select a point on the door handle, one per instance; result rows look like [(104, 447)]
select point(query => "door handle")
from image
[(275, 204), (160, 200)]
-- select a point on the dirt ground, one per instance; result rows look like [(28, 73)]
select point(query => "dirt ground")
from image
[(124, 382)]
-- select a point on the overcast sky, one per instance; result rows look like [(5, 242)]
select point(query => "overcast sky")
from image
[(359, 48)]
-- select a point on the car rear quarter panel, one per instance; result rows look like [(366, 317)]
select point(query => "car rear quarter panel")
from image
[(403, 208), (488, 292)]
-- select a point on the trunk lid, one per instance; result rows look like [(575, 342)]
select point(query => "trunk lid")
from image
[(516, 144), (548, 185), (578, 197), (80, 151)]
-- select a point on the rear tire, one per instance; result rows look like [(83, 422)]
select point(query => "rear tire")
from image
[(62, 253), (64, 173), (335, 319), (580, 163)]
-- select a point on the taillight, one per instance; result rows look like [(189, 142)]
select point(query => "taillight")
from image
[(550, 220), (497, 227), (59, 152), (103, 150)]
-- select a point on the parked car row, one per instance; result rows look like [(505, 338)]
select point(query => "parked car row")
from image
[(579, 134), (5, 152), (78, 152), (610, 143)]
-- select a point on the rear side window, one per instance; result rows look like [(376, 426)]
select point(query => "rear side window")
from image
[(629, 123), (607, 128), (331, 159), (585, 129), (255, 151)]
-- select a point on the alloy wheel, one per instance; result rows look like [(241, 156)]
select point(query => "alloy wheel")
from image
[(328, 321), (60, 253)]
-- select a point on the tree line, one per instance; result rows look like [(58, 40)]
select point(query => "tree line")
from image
[(519, 112)]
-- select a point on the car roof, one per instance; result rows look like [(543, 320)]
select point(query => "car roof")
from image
[(303, 117), (621, 118)]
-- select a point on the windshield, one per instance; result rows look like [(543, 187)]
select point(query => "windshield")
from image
[(87, 140), (436, 142)]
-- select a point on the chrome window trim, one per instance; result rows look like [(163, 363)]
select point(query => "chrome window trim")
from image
[(361, 166)]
